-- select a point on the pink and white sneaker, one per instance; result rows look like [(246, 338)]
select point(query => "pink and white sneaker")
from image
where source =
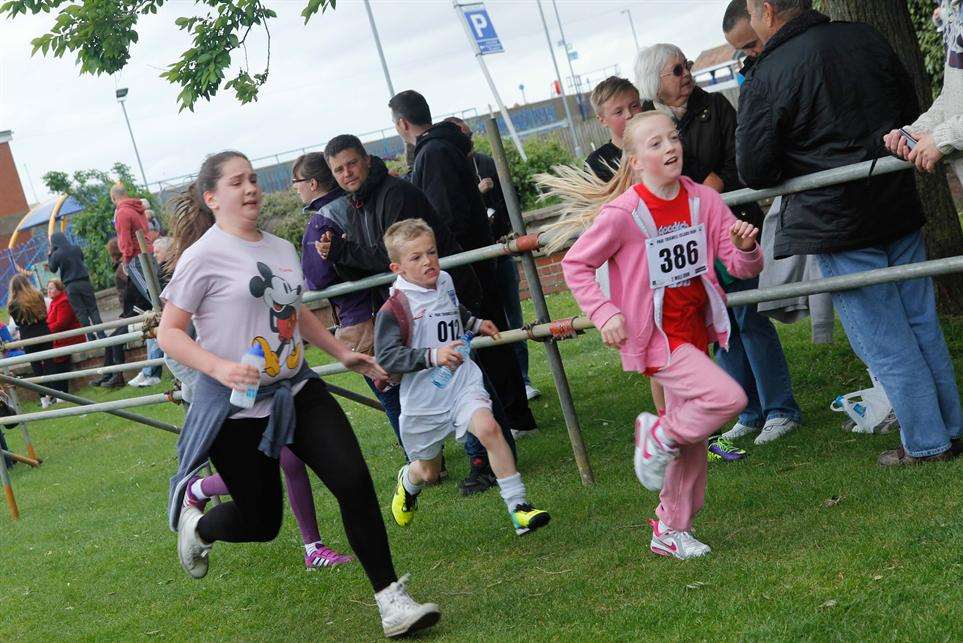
[(677, 544), (324, 556), (651, 455)]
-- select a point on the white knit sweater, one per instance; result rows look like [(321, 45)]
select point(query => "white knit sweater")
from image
[(945, 117)]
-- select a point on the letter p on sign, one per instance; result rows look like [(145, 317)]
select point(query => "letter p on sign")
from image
[(479, 23), (481, 28)]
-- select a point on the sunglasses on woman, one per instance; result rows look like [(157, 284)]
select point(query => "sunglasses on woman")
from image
[(679, 69)]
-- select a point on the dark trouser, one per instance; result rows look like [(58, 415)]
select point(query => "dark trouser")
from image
[(114, 355), (59, 367), (391, 400), (325, 442), (499, 362), (508, 285), (82, 299)]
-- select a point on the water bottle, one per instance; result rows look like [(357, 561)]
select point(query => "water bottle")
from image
[(245, 399), (443, 374)]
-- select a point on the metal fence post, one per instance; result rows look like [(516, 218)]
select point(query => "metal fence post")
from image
[(23, 425), (8, 489), (541, 307), (153, 285)]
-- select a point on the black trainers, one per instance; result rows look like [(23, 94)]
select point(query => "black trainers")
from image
[(480, 478)]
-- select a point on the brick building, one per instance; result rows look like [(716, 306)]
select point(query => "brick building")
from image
[(13, 202)]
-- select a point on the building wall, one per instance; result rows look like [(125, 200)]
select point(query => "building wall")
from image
[(13, 203)]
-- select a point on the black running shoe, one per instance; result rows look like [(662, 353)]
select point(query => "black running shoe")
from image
[(480, 478)]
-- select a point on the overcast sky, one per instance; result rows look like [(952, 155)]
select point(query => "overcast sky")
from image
[(325, 78)]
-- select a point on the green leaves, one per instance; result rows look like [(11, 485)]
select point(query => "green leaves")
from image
[(101, 33)]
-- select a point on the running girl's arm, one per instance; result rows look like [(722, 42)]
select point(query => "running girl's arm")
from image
[(593, 248), (742, 264), (315, 332), (177, 344)]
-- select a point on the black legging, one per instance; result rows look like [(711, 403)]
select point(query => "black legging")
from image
[(326, 443)]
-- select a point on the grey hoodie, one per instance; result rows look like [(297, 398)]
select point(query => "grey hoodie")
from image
[(67, 259)]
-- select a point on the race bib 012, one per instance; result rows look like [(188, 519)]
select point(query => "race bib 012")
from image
[(676, 256)]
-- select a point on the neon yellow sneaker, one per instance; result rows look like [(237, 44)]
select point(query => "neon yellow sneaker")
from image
[(527, 518), (403, 504)]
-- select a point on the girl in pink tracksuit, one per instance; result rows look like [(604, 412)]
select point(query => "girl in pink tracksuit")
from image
[(660, 238)]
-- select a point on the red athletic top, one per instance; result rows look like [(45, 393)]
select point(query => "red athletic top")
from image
[(683, 309)]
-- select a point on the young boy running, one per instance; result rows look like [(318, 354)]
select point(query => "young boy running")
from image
[(417, 331)]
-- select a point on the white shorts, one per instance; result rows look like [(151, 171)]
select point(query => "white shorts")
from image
[(424, 435)]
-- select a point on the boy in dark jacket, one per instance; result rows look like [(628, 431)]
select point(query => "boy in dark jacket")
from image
[(68, 260)]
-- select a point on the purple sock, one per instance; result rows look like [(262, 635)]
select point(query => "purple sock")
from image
[(300, 496), (214, 486)]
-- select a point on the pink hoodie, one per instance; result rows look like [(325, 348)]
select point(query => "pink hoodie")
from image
[(615, 237)]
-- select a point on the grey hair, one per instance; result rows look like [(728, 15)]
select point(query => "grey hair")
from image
[(648, 68)]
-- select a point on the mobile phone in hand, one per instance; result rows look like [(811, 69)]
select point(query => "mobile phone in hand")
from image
[(906, 136)]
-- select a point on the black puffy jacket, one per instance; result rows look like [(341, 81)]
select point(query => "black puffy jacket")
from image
[(708, 133), (381, 201), (821, 95), (67, 259), (444, 173)]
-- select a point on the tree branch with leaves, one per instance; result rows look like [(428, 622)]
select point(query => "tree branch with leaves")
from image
[(101, 33)]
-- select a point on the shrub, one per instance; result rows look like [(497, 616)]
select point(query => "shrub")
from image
[(542, 152)]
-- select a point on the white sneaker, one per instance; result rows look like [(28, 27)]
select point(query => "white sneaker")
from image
[(45, 401), (739, 430), (651, 456), (136, 381), (149, 381), (400, 614), (678, 544), (531, 392), (775, 429), (192, 551)]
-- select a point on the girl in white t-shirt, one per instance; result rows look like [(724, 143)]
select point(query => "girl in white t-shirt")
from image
[(241, 286)]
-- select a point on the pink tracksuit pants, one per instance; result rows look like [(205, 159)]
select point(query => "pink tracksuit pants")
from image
[(699, 397)]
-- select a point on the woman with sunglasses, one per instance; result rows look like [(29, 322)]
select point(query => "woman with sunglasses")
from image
[(707, 127)]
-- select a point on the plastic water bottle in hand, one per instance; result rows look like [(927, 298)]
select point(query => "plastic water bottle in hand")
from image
[(245, 399), (443, 374)]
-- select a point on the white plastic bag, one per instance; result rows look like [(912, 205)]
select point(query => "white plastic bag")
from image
[(869, 410)]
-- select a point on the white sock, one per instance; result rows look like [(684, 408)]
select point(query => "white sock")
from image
[(312, 547), (664, 528), (410, 487), (512, 490), (197, 491)]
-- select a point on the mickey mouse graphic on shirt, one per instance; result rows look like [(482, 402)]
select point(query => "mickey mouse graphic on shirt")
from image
[(282, 301)]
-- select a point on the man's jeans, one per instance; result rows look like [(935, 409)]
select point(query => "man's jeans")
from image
[(153, 352), (894, 329), (391, 401), (508, 287), (755, 360)]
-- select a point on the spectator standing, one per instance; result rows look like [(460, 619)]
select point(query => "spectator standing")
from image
[(29, 311), (444, 173), (615, 100), (939, 131), (707, 124), (129, 218), (68, 259), (491, 190), (61, 317), (819, 96)]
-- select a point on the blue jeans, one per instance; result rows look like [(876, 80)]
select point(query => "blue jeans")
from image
[(756, 361), (894, 329), (391, 400), (508, 287), (153, 352)]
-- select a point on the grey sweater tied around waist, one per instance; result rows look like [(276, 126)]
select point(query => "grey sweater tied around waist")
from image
[(210, 406)]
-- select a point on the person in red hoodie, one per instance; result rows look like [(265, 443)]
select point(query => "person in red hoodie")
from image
[(61, 317), (129, 217)]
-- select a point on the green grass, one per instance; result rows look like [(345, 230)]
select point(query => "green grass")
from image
[(91, 557)]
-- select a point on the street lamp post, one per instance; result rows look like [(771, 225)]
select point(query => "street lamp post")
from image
[(381, 53), (635, 37), (121, 97), (576, 81), (561, 85)]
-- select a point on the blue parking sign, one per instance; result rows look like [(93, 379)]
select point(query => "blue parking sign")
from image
[(482, 30)]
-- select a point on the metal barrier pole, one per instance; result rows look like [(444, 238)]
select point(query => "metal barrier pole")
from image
[(20, 458), (153, 287), (133, 322), (355, 397), (88, 406), (541, 307), (23, 425), (99, 370), (73, 348), (8, 490)]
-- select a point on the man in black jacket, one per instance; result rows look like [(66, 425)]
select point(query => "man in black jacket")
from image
[(68, 260), (444, 173), (376, 200), (821, 95)]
